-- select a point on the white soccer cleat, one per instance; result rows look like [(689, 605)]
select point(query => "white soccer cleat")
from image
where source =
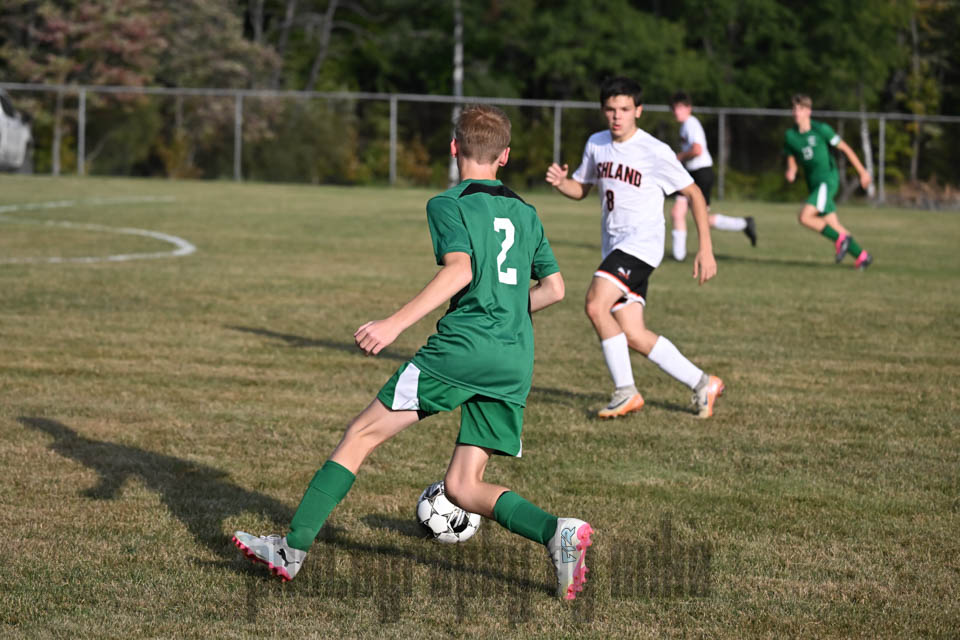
[(282, 560), (568, 551)]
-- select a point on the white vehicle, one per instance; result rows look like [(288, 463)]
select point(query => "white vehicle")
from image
[(16, 140)]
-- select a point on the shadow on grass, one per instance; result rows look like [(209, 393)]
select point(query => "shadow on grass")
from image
[(202, 498), (301, 342), (594, 401), (572, 398), (404, 526), (476, 558), (825, 264), (671, 406)]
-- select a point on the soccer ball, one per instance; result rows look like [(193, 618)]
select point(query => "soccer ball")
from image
[(441, 519)]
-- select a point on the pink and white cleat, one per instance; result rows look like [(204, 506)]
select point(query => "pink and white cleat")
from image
[(568, 551), (842, 245), (864, 260), (282, 560)]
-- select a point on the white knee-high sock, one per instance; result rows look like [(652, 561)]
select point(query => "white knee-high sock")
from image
[(666, 356), (729, 223), (679, 245), (617, 354)]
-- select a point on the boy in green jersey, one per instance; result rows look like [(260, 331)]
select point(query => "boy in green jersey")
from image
[(490, 244), (809, 142)]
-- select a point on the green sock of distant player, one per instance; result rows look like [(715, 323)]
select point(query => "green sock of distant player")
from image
[(329, 486), (524, 518), (855, 248)]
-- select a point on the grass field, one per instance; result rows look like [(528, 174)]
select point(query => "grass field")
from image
[(150, 407)]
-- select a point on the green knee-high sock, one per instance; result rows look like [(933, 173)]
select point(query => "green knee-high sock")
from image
[(855, 248), (525, 518), (329, 486), (830, 232)]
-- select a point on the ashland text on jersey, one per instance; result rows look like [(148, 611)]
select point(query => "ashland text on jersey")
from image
[(623, 172)]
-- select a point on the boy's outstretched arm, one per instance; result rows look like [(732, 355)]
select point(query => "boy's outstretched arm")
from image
[(791, 172), (855, 161), (690, 153), (546, 292), (456, 273), (704, 264), (557, 177)]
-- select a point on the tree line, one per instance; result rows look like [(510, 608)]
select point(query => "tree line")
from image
[(871, 55)]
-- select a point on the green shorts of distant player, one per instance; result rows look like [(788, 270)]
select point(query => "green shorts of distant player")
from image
[(821, 196), (484, 421)]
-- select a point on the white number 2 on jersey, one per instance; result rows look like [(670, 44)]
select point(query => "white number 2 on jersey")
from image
[(510, 275)]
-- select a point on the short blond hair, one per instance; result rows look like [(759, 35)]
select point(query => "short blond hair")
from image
[(802, 100), (482, 133)]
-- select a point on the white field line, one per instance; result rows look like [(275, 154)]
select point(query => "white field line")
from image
[(183, 247)]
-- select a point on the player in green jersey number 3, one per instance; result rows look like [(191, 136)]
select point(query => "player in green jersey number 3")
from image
[(809, 143)]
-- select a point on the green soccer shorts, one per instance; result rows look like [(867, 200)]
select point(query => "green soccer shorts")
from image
[(821, 196), (484, 421)]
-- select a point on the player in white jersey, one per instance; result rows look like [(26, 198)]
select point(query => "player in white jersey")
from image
[(633, 172), (696, 158)]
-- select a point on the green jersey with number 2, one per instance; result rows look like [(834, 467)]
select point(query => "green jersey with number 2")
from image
[(484, 342)]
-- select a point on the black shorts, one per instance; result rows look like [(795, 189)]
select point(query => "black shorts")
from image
[(703, 178), (629, 274)]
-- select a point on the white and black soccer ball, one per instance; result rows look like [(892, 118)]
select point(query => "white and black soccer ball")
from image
[(441, 519)]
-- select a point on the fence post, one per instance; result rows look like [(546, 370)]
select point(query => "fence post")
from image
[(557, 119), (722, 152), (238, 137), (393, 139), (57, 134), (82, 133), (882, 162)]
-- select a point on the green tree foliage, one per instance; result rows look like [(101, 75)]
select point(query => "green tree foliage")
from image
[(207, 47), (945, 49), (745, 50), (918, 87), (83, 42), (874, 55), (130, 43), (854, 49)]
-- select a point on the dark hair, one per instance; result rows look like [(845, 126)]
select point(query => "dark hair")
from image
[(681, 97), (621, 86), (482, 132)]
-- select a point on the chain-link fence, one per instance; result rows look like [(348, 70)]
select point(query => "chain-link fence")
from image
[(380, 138)]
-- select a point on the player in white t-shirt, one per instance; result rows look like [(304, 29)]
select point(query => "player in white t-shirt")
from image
[(696, 158), (633, 172)]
